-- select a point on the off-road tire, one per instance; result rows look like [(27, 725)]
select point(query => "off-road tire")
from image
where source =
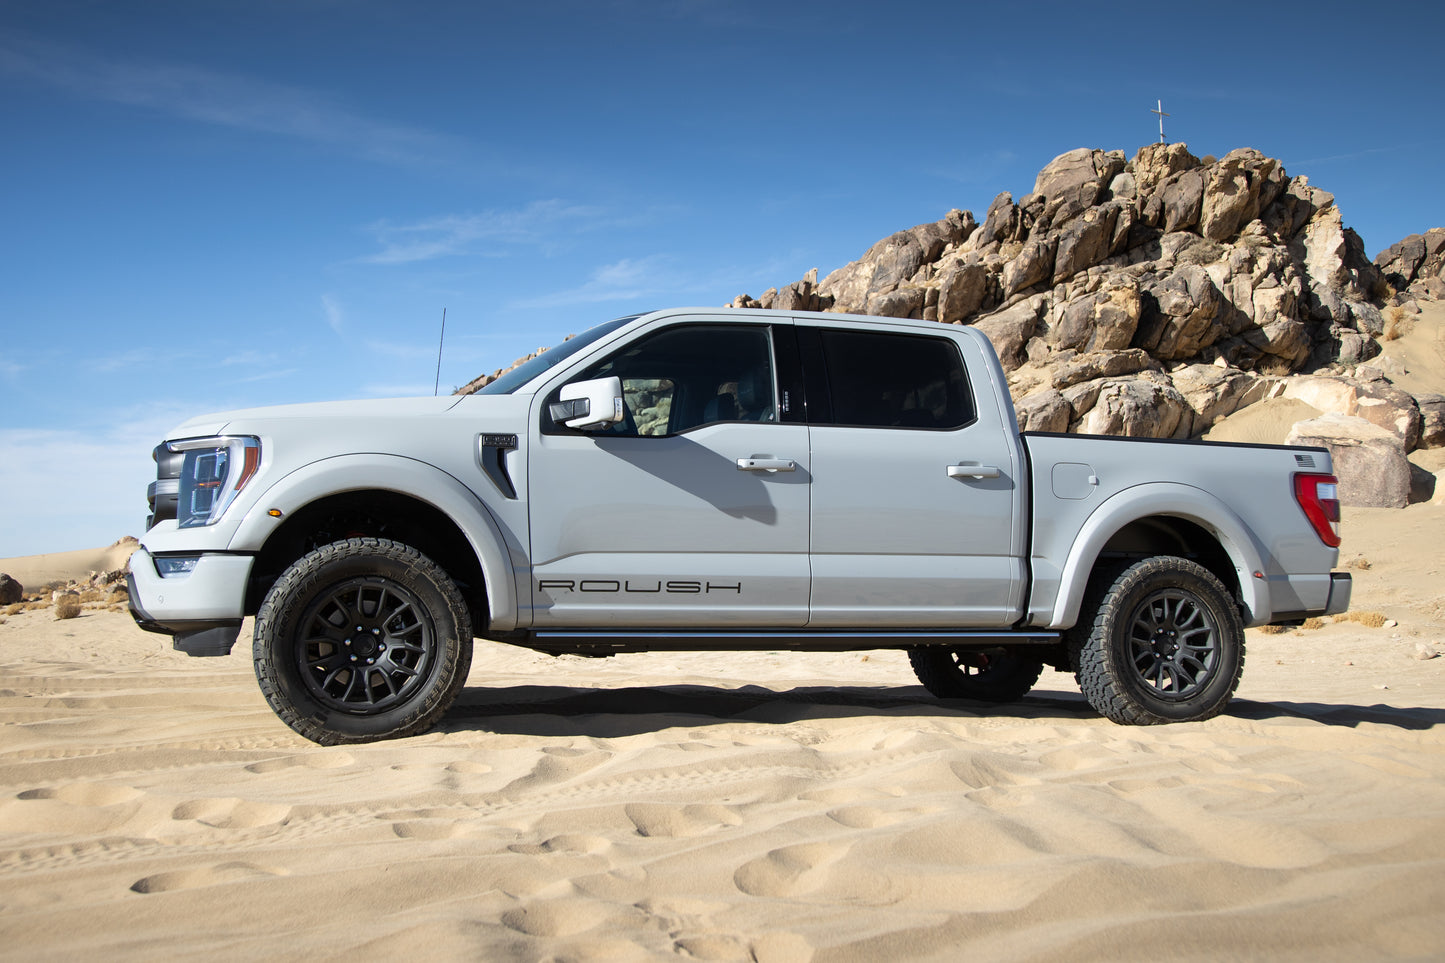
[(1166, 644), (360, 640), (1003, 675)]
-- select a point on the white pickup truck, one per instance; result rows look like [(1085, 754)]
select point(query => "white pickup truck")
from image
[(726, 479)]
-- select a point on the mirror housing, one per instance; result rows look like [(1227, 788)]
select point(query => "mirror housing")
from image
[(588, 405)]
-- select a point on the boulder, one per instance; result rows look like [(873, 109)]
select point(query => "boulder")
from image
[(1074, 181), (1377, 402), (1010, 330), (1135, 409), (1084, 241), (1212, 392), (1369, 461), (1416, 257), (904, 302), (1432, 420), (1100, 364), (1105, 320), (1033, 264), (1044, 410), (1000, 223), (1156, 163), (1179, 314), (11, 591), (962, 288)]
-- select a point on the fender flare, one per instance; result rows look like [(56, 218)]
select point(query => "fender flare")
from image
[(1170, 499), (405, 476)]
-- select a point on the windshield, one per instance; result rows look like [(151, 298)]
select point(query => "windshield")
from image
[(523, 373)]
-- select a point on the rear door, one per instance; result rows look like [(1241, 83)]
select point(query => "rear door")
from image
[(917, 503)]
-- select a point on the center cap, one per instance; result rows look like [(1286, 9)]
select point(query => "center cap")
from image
[(363, 646)]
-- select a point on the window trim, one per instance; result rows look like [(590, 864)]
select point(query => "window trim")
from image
[(771, 330)]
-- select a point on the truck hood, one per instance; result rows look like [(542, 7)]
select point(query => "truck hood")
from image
[(217, 423)]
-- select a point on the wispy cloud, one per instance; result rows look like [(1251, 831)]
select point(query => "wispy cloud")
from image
[(222, 99), (537, 224), (1354, 155), (134, 358), (335, 318), (625, 280)]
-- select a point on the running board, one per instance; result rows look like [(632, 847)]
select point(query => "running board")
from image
[(609, 642)]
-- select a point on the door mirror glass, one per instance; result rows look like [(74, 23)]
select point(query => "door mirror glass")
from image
[(588, 405)]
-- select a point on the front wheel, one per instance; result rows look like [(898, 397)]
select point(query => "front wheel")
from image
[(360, 640), (993, 675), (1166, 645)]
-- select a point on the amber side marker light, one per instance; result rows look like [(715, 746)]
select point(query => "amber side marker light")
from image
[(274, 513)]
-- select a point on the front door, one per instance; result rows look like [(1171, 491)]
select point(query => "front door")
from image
[(692, 512)]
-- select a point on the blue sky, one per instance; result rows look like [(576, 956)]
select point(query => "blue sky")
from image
[(210, 204)]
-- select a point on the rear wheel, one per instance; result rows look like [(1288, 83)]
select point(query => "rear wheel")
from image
[(992, 675), (1166, 645), (360, 640)]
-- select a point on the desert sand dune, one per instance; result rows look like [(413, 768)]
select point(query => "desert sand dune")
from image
[(736, 806)]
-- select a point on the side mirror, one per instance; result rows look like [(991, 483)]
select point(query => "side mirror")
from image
[(588, 405)]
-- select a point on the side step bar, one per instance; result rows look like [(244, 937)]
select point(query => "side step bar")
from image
[(609, 642)]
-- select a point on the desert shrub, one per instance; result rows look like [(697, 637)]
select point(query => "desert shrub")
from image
[(1202, 251), (1273, 629), (67, 607), (1382, 290), (1370, 619), (15, 609), (90, 595), (1359, 562), (1208, 159), (1397, 323), (1312, 623)]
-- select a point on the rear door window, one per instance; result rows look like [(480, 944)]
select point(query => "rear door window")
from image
[(883, 380)]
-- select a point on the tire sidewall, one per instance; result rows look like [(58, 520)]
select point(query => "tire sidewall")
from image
[(282, 619)]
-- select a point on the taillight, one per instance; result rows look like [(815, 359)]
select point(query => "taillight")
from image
[(1319, 496)]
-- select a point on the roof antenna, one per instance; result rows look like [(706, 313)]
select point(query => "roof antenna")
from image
[(440, 339)]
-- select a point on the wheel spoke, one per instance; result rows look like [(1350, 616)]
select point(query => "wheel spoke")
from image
[(367, 645)]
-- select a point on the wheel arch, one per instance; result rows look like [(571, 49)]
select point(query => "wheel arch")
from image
[(389, 497), (1166, 519)]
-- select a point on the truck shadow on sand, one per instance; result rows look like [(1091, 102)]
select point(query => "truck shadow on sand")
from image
[(540, 710)]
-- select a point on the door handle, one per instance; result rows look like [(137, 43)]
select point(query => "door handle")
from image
[(972, 471), (767, 464)]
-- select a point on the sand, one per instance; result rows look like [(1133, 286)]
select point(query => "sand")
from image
[(737, 806), (36, 571), (742, 806)]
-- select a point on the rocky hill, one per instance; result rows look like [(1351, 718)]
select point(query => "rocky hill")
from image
[(1154, 296)]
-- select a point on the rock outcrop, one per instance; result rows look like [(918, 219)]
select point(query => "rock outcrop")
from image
[(1416, 264), (11, 591), (1155, 295)]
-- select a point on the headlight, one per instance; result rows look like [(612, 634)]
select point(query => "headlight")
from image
[(212, 475)]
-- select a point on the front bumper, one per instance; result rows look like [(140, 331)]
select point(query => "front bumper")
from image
[(201, 610)]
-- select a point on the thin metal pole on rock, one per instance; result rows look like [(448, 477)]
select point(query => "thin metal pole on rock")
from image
[(1159, 109)]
